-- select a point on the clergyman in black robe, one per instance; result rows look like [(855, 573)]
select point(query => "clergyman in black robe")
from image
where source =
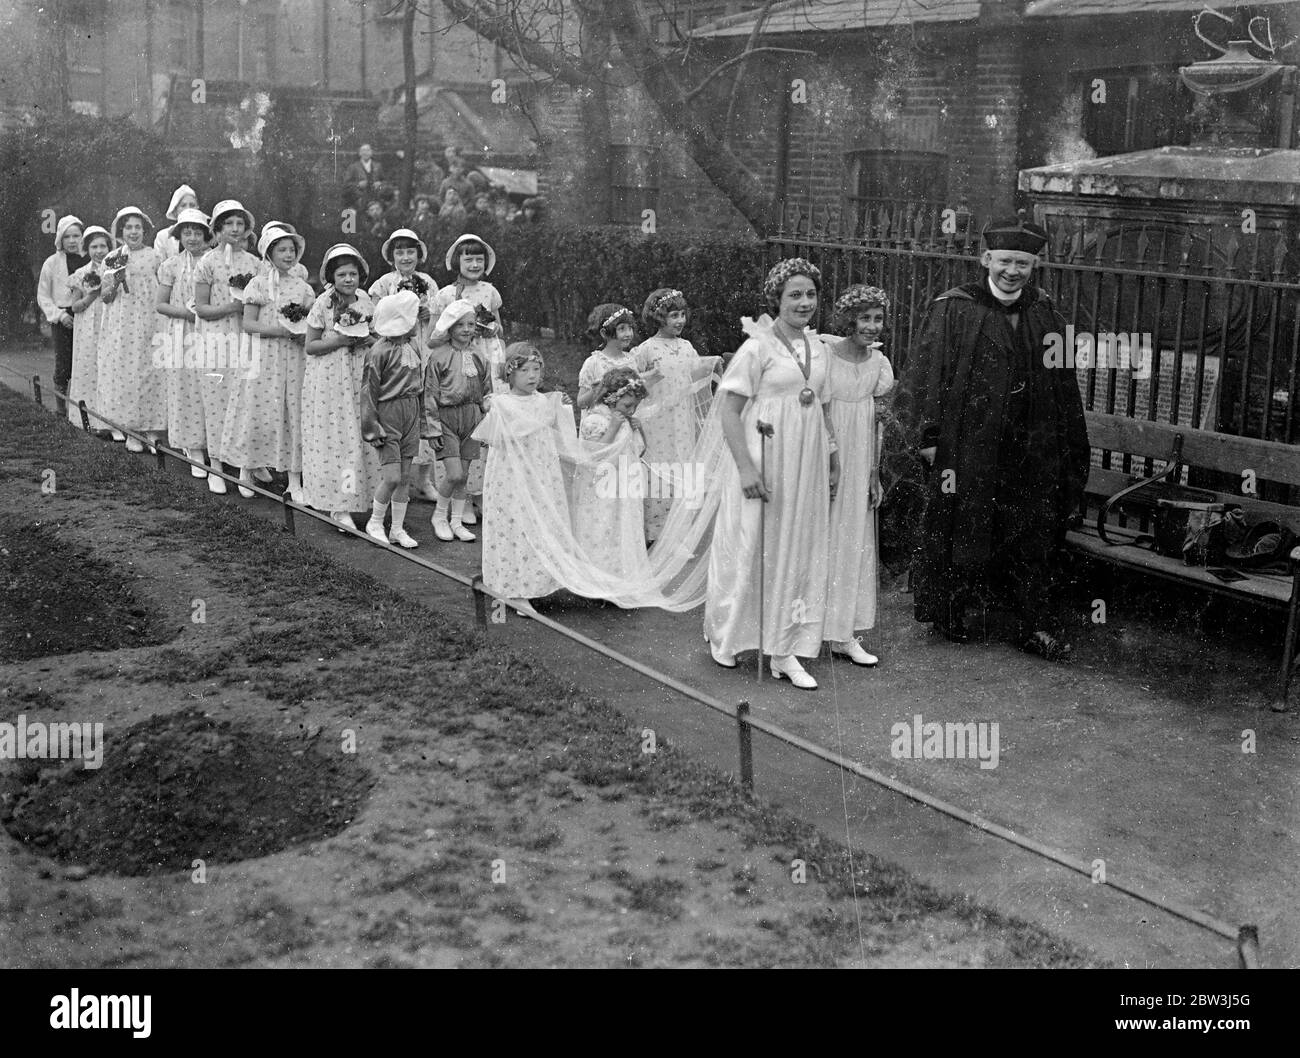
[(1005, 438)]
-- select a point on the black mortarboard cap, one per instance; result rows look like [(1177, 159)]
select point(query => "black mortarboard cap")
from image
[(1015, 233)]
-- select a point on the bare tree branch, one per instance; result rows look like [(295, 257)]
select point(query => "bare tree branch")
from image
[(742, 57)]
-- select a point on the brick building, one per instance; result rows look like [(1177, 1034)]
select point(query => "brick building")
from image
[(924, 100)]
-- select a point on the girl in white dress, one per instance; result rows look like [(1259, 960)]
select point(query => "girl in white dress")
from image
[(186, 425), (219, 284), (608, 506), (612, 324), (681, 397), (166, 242), (859, 373), (472, 260), (263, 425), (88, 309), (768, 559), (129, 389), (340, 471), (522, 429)]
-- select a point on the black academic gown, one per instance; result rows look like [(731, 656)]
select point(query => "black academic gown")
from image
[(1012, 446)]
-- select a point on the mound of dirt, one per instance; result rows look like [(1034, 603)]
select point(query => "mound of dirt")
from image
[(183, 787), (57, 599)]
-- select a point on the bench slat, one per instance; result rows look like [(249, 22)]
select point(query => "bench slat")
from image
[(1103, 483), (1270, 460), (1271, 588)]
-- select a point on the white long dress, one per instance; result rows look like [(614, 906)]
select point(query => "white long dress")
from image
[(670, 435), (221, 338), (339, 470), (609, 496), (186, 423), (790, 561), (854, 564), (85, 349), (130, 388)]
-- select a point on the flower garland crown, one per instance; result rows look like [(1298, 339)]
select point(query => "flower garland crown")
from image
[(662, 299), (616, 316), (633, 385)]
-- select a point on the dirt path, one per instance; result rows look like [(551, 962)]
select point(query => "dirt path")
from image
[(1132, 755)]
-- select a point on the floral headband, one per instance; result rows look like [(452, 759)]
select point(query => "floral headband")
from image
[(663, 299), (616, 318), (782, 272), (633, 385), (859, 298), (514, 363)]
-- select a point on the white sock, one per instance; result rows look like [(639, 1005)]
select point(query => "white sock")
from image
[(440, 508), (399, 515), (295, 481), (457, 510), (377, 512)]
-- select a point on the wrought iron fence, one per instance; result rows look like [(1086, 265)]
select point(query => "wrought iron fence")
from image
[(1209, 316)]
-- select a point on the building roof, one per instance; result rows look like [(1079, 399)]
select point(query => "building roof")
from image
[(1083, 8), (831, 16)]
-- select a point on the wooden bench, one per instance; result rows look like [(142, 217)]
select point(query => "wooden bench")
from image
[(1271, 461)]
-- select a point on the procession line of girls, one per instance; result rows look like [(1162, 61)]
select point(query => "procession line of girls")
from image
[(784, 561), (235, 358)]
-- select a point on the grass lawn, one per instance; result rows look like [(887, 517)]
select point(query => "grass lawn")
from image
[(302, 767)]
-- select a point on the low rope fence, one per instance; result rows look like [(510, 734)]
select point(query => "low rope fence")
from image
[(1246, 937)]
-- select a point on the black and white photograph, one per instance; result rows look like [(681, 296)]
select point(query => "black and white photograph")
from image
[(651, 483)]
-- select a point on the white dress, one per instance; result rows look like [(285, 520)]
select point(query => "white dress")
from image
[(608, 506), (523, 450), (671, 433), (851, 592), (130, 388), (221, 339), (263, 426), (789, 560), (186, 423), (339, 470), (85, 349)]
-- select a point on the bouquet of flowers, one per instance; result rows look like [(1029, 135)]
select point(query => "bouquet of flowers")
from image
[(484, 322), (293, 317), (91, 281), (352, 323), (115, 265), (237, 284), (414, 283)]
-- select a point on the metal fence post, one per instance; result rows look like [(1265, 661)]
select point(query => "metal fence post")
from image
[(36, 388), (160, 455), (85, 415), (288, 513), (480, 602), (1248, 948), (745, 734)]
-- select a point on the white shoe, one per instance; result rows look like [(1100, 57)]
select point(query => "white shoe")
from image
[(216, 484), (196, 471), (727, 661), (788, 666), (244, 490), (119, 436), (852, 650), (459, 531), (440, 527), (468, 517), (402, 538), (526, 605), (375, 530), (263, 476), (133, 445), (343, 520)]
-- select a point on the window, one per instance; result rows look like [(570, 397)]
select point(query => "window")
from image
[(1137, 112), (634, 182)]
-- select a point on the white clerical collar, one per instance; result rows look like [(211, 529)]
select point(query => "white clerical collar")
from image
[(1001, 296)]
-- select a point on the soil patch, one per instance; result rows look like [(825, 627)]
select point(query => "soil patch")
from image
[(58, 599), (186, 786)]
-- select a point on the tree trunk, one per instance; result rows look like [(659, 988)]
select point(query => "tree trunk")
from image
[(411, 112)]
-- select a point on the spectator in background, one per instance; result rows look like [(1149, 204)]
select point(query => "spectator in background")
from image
[(361, 177), (423, 220), (452, 211), (457, 180), (374, 231), (481, 215), (501, 209), (533, 210)]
